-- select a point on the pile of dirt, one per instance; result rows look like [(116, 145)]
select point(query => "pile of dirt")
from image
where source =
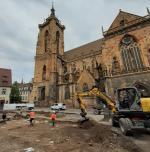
[(101, 133), (87, 124), (106, 138)]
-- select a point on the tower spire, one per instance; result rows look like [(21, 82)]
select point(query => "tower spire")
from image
[(22, 80), (148, 11), (52, 10), (102, 30)]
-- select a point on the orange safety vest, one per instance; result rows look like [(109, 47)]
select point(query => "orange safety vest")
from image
[(32, 114), (53, 116)]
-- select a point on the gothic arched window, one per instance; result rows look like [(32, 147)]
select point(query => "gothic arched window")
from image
[(100, 70), (85, 87), (115, 64), (65, 69), (84, 65), (44, 73), (47, 41), (57, 41), (67, 92), (73, 68), (66, 74), (93, 63), (131, 54)]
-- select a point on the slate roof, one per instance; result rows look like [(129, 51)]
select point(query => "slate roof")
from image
[(95, 46), (86, 49)]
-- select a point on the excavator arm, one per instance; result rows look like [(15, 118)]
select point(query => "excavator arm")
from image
[(94, 92), (108, 101), (82, 104)]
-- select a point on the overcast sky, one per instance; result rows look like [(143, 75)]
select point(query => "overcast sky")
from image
[(83, 19)]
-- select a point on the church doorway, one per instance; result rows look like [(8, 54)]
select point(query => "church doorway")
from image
[(42, 93), (67, 92)]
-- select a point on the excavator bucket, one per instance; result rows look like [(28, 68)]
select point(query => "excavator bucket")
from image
[(83, 115), (84, 120)]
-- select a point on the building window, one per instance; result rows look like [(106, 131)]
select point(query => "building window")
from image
[(73, 68), (115, 64), (67, 92), (123, 22), (5, 77), (47, 41), (57, 41), (4, 81), (65, 69), (131, 54), (44, 73), (3, 91), (85, 87)]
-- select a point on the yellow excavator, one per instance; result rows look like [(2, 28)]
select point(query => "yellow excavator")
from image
[(130, 111)]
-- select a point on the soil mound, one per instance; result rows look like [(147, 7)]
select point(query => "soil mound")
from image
[(87, 124), (106, 139), (100, 133)]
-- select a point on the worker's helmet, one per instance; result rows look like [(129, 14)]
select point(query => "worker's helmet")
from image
[(53, 111)]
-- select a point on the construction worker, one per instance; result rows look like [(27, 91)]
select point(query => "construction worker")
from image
[(4, 116), (53, 118), (32, 117)]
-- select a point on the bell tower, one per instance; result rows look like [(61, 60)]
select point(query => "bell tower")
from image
[(50, 45)]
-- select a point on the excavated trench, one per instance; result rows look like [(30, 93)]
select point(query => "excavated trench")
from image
[(64, 137)]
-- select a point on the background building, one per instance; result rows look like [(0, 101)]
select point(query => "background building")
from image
[(120, 59), (25, 91), (5, 85)]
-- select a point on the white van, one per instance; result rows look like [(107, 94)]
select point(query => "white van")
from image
[(58, 106), (18, 106)]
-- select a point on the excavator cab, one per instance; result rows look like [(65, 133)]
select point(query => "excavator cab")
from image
[(128, 99), (132, 111)]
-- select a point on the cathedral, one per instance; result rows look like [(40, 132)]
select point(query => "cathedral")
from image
[(120, 59)]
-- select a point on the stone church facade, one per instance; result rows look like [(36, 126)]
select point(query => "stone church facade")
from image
[(120, 59)]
